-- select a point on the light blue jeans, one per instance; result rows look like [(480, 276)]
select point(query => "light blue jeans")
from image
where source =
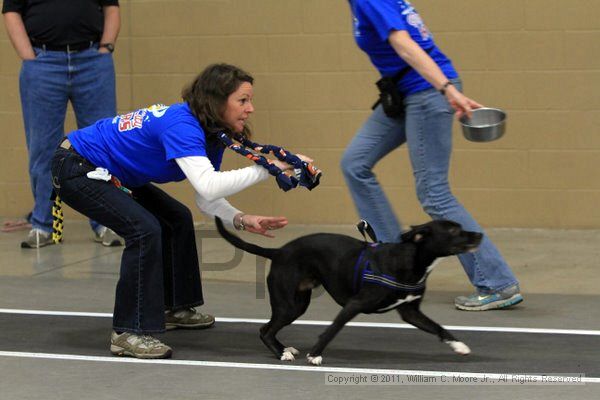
[(47, 83), (427, 128)]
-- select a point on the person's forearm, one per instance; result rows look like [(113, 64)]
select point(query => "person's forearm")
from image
[(417, 58), (211, 184), (112, 24), (18, 35)]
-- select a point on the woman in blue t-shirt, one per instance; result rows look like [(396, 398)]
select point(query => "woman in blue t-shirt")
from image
[(400, 46), (106, 172)]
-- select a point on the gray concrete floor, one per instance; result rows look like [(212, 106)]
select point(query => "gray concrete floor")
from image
[(558, 271)]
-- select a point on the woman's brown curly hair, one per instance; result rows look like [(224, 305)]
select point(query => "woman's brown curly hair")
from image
[(207, 96)]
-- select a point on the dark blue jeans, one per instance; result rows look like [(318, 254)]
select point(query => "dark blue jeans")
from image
[(159, 266), (47, 84)]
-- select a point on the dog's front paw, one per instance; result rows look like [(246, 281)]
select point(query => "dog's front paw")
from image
[(459, 347), (314, 360)]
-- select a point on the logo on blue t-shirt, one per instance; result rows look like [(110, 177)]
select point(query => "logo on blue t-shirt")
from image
[(414, 19), (136, 119)]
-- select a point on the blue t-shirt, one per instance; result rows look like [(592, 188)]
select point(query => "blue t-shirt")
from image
[(141, 147), (374, 20)]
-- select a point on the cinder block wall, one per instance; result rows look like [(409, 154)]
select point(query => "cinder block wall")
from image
[(537, 59)]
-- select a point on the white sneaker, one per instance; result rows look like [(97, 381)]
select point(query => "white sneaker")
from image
[(138, 346), (37, 238), (108, 237)]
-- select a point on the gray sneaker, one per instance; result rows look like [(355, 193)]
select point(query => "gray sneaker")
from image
[(138, 346), (188, 318), (108, 237), (490, 301), (37, 238)]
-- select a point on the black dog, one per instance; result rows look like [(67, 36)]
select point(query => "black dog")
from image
[(361, 277)]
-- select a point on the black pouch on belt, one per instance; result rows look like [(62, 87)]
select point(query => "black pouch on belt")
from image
[(390, 97)]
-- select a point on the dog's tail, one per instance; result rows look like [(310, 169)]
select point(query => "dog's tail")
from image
[(240, 244)]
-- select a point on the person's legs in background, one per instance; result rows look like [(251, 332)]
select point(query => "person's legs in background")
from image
[(429, 136), (93, 96), (43, 89), (375, 139)]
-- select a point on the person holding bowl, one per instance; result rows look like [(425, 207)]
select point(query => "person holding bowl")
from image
[(420, 92)]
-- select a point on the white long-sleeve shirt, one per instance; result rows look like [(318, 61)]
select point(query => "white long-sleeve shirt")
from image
[(213, 186)]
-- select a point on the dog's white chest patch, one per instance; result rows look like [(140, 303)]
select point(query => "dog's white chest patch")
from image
[(406, 299)]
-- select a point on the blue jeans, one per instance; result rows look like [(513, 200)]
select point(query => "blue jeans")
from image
[(159, 266), (47, 83), (427, 129)]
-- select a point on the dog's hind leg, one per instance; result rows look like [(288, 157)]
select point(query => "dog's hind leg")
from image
[(269, 339), (302, 303), (280, 318), (268, 334), (350, 310), (413, 315)]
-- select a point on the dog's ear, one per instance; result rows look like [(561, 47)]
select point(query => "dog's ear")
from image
[(416, 233)]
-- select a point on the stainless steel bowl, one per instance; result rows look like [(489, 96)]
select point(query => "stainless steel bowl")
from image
[(485, 125)]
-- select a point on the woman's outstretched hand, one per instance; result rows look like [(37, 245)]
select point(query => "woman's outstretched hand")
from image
[(263, 225)]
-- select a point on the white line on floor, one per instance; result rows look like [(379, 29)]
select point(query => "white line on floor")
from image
[(305, 368), (500, 329), (59, 313)]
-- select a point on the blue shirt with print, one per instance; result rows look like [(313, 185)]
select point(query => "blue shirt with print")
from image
[(373, 22), (141, 147)]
